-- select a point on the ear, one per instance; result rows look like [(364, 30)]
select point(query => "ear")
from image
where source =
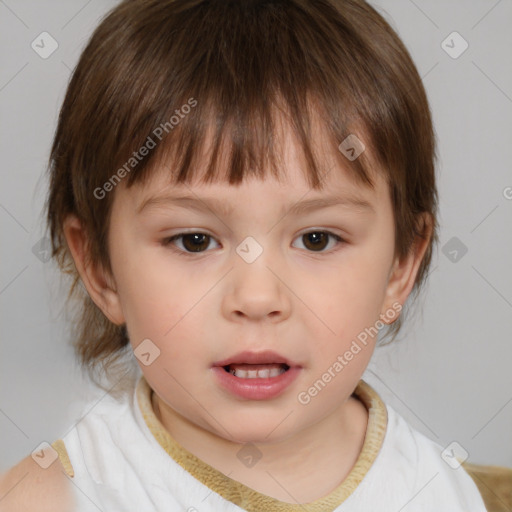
[(99, 284), (404, 270)]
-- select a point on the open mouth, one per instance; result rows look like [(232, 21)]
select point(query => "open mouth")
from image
[(253, 375), (256, 371)]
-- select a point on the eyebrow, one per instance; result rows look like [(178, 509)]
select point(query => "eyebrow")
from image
[(212, 203)]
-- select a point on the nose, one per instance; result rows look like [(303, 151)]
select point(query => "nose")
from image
[(257, 290)]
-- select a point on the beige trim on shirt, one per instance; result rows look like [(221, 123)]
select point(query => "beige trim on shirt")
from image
[(60, 448)]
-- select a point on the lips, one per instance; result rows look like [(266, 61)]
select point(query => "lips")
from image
[(257, 358), (256, 375)]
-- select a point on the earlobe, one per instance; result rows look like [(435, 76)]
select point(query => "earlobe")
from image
[(404, 271), (98, 283)]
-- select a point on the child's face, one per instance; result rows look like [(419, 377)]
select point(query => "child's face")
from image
[(304, 298)]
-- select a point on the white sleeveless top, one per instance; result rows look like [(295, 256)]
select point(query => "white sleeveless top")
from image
[(120, 458)]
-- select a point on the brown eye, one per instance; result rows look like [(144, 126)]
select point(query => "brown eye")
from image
[(195, 242), (191, 242), (317, 241)]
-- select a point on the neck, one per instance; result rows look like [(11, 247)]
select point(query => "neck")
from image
[(328, 451)]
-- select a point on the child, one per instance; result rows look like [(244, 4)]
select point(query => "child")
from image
[(246, 191)]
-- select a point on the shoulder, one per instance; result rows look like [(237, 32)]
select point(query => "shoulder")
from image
[(428, 468), (29, 487)]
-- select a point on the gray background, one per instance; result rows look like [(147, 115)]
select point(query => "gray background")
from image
[(449, 376)]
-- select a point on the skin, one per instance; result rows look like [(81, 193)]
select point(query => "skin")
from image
[(306, 305), (27, 487)]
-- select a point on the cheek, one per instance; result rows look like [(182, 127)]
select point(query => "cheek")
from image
[(352, 296), (156, 299)]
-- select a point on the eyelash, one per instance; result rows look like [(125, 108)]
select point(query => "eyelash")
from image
[(167, 242)]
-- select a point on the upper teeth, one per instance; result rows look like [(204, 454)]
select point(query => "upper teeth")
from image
[(256, 374)]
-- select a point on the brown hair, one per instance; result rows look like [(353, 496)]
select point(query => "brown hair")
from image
[(182, 67)]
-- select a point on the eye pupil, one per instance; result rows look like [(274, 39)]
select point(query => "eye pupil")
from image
[(197, 239), (317, 238)]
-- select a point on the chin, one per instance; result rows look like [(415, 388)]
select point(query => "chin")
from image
[(257, 428)]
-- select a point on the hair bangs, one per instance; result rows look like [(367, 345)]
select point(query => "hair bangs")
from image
[(230, 145)]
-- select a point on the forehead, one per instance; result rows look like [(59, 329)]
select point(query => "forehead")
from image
[(260, 197)]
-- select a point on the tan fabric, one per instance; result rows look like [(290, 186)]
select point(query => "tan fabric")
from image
[(60, 448), (248, 498), (494, 484), (241, 495)]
